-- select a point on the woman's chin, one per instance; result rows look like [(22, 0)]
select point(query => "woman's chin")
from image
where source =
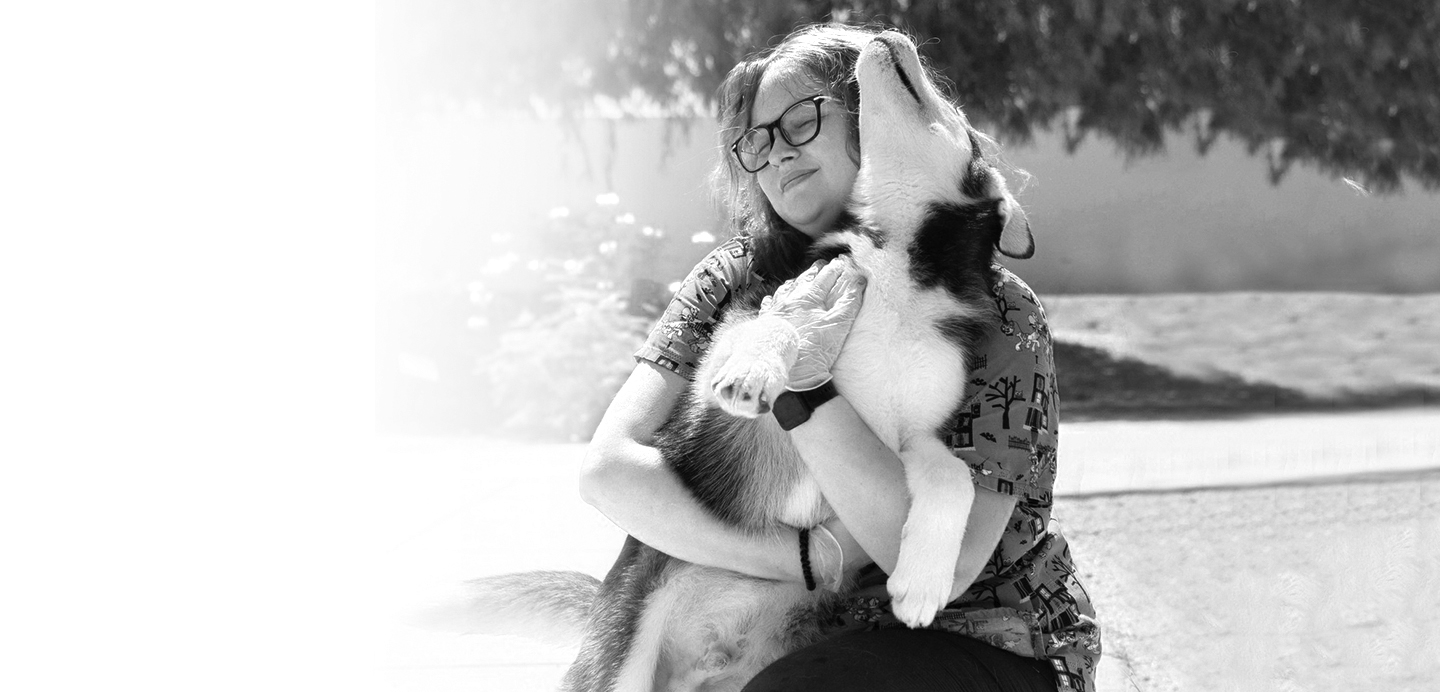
[(812, 229), (816, 225), (807, 220)]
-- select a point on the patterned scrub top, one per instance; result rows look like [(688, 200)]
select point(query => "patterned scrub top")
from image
[(1028, 598)]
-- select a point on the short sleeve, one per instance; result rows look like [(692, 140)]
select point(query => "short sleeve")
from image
[(1007, 429), (682, 335)]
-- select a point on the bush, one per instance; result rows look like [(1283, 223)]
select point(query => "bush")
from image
[(565, 305), (552, 376)]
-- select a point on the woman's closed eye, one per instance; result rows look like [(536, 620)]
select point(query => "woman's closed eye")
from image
[(799, 128)]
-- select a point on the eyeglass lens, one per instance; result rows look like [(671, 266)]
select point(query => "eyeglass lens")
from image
[(798, 125)]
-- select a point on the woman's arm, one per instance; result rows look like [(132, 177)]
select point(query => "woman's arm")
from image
[(865, 484), (625, 478)]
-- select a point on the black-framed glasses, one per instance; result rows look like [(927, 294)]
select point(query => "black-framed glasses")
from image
[(798, 125)]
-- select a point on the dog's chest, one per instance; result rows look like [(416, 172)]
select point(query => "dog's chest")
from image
[(898, 369)]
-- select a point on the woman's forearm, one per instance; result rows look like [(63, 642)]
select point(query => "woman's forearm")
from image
[(859, 476), (630, 484), (864, 482)]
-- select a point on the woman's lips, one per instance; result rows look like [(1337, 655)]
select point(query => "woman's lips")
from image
[(794, 178)]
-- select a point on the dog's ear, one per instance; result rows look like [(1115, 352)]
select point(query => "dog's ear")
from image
[(1015, 239)]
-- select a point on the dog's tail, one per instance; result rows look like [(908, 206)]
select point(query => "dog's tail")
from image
[(548, 606)]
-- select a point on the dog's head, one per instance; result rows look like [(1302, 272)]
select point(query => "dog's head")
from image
[(919, 153)]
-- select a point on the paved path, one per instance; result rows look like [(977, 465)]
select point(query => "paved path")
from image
[(461, 508), (1121, 456)]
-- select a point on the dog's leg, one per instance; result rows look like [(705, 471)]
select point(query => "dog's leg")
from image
[(642, 664), (749, 365), (941, 493), (712, 630)]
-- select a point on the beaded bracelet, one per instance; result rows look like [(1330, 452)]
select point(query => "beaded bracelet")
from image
[(805, 559)]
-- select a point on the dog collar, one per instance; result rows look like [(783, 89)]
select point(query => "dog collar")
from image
[(793, 408)]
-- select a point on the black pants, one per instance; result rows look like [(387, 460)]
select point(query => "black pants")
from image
[(901, 660)]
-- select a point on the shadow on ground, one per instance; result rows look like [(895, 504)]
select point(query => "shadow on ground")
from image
[(1097, 385)]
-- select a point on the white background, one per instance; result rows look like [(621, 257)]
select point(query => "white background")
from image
[(186, 280)]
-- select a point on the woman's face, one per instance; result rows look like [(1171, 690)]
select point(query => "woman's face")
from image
[(807, 185)]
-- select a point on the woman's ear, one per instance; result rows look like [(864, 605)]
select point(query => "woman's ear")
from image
[(1015, 238)]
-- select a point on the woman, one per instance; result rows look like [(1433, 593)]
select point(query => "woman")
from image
[(1018, 619)]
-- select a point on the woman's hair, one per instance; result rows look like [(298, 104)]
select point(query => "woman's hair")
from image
[(826, 54)]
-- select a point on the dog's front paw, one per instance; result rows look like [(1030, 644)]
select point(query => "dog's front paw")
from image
[(750, 365), (746, 384), (919, 591)]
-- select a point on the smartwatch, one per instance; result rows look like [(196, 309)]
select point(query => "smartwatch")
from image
[(793, 408)]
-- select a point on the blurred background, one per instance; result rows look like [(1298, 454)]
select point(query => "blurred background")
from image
[(1235, 202)]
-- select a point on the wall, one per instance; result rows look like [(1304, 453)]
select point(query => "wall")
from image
[(1171, 223)]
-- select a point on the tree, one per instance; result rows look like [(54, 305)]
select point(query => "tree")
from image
[(1351, 88), (1004, 393)]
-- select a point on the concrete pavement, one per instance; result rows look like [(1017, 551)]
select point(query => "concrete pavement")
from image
[(463, 507), (1126, 456)]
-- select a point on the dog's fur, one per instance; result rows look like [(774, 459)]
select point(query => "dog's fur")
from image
[(931, 214)]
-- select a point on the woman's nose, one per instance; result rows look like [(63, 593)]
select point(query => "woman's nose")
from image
[(781, 151)]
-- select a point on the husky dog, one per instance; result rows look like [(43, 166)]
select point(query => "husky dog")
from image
[(931, 214)]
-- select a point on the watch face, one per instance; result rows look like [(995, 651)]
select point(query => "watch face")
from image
[(790, 410)]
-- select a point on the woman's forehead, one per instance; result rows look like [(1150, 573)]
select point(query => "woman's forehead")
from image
[(782, 85)]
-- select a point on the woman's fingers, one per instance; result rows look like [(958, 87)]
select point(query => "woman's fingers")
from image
[(825, 286), (801, 287), (827, 275), (782, 293), (842, 284), (848, 292)]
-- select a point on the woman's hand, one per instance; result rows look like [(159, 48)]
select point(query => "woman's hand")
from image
[(821, 304), (835, 555)]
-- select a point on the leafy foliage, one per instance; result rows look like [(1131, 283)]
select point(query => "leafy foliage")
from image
[(1350, 87), (536, 340), (552, 376), (565, 316)]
